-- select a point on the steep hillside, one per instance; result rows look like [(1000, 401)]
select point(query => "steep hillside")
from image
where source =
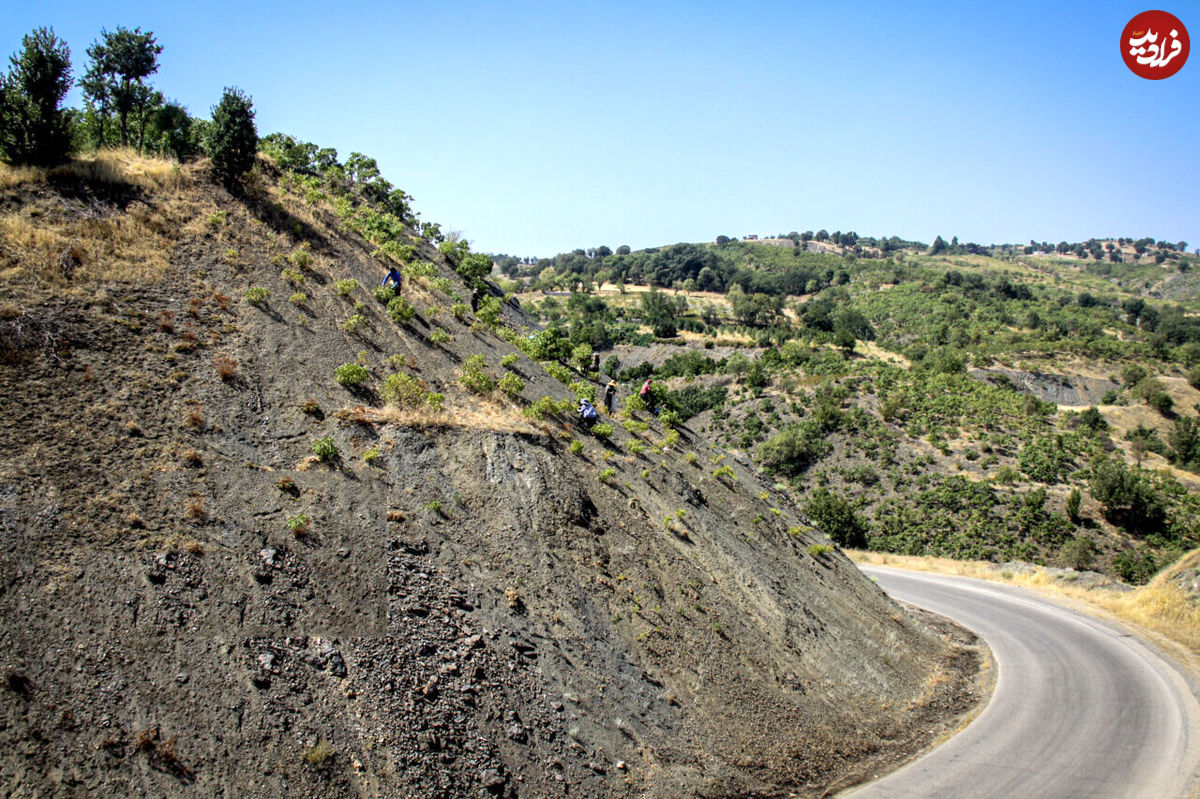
[(268, 533)]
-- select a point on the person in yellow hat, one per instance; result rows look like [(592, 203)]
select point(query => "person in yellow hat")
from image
[(610, 397)]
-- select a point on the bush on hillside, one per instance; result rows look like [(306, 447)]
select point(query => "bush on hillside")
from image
[(232, 137)]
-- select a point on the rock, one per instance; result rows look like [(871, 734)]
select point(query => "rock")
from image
[(337, 665), (267, 661), (270, 558), (492, 780), (517, 733)]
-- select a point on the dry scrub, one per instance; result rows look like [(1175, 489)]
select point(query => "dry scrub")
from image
[(65, 245), (1162, 606)]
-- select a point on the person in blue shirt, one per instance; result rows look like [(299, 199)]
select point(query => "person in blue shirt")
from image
[(587, 414), (393, 277)]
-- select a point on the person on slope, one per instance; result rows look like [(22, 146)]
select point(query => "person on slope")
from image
[(393, 277), (587, 414), (610, 397)]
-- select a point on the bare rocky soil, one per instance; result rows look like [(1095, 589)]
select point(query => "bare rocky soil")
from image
[(473, 613)]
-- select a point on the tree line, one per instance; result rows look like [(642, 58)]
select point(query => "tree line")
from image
[(121, 107)]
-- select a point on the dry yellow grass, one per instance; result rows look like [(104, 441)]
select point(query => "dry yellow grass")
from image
[(121, 165), (1162, 607), (480, 417), (69, 251)]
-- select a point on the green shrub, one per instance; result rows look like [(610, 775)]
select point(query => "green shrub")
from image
[(1136, 567), (547, 406), (510, 384), (439, 336), (299, 298), (325, 449), (298, 524), (583, 391), (607, 474), (344, 287), (794, 448), (403, 391), (371, 455), (351, 374), (724, 471), (510, 360), (489, 312), (1079, 553), (417, 270), (635, 446), (354, 322), (301, 257), (256, 295), (633, 402), (318, 754), (817, 550), (473, 376), (401, 310), (384, 294), (460, 311), (559, 372), (1074, 499), (602, 430), (575, 447), (292, 276), (834, 516)]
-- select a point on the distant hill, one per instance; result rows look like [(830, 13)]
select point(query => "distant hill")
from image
[(1004, 405)]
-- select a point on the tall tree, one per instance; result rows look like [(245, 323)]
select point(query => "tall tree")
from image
[(232, 137), (116, 79), (33, 129)]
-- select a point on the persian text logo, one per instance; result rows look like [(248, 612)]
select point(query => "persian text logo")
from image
[(1155, 45)]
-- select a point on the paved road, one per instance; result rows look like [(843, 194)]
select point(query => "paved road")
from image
[(1081, 708)]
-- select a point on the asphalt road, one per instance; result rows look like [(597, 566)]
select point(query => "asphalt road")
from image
[(1081, 707)]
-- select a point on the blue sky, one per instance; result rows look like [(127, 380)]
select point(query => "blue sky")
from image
[(535, 128)]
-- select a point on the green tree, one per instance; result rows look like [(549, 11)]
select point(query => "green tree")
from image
[(1184, 439), (1127, 495), (232, 137), (659, 313), (33, 129), (116, 80), (1074, 500), (834, 516)]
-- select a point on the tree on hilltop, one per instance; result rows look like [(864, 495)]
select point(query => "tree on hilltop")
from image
[(116, 81), (33, 129), (232, 137)]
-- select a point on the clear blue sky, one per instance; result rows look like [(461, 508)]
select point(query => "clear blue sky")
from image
[(535, 128)]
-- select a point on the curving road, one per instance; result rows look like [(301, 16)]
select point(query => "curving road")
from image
[(1081, 707)]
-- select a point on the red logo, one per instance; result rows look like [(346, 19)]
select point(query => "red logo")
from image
[(1155, 45)]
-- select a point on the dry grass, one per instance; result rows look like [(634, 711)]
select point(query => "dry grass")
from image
[(482, 417), (113, 166), (69, 248), (1162, 607)]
